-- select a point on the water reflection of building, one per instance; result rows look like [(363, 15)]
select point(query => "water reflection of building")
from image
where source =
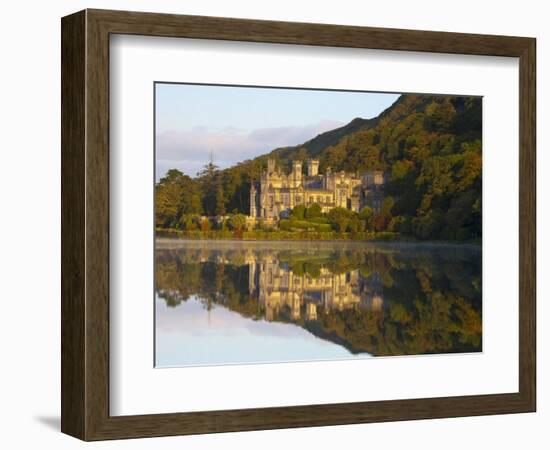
[(279, 288)]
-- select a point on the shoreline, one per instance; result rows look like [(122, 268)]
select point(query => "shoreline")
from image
[(285, 236), (163, 240)]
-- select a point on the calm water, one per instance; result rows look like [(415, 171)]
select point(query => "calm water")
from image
[(222, 302)]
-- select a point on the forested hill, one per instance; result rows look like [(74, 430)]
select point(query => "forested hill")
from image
[(315, 147), (429, 145)]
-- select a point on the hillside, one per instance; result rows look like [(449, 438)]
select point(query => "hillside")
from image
[(315, 147), (430, 146)]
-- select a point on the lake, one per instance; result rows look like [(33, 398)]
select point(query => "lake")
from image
[(232, 302)]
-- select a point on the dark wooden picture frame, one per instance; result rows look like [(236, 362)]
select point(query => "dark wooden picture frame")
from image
[(85, 224)]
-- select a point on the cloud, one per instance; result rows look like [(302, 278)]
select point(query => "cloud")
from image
[(189, 150)]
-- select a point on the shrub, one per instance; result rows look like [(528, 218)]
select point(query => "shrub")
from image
[(285, 225), (205, 225), (313, 211), (463, 234), (340, 218), (395, 223), (354, 225), (381, 221), (428, 225), (237, 222), (188, 222), (298, 212)]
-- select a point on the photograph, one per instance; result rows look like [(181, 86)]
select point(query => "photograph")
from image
[(298, 224)]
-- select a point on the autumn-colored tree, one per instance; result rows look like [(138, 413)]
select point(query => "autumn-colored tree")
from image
[(237, 222), (340, 218)]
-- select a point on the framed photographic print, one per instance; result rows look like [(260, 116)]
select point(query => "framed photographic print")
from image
[(271, 224)]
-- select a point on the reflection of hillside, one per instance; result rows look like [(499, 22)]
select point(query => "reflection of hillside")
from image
[(384, 300)]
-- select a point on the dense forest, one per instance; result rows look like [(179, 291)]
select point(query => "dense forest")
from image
[(430, 147)]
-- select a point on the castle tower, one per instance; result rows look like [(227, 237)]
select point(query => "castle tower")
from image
[(378, 177), (373, 178), (270, 166), (297, 169), (327, 179), (253, 200), (312, 167)]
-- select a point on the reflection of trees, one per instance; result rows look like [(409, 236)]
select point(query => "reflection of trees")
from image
[(431, 296)]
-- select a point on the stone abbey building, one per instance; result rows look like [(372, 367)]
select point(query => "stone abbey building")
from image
[(274, 196)]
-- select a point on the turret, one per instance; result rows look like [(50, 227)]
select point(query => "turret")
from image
[(378, 177), (253, 200), (312, 167), (327, 183), (373, 178), (297, 168), (270, 166)]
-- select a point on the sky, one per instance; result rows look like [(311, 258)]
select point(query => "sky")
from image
[(192, 335), (240, 123)]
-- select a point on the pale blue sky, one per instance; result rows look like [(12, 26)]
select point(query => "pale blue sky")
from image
[(239, 123), (190, 335)]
